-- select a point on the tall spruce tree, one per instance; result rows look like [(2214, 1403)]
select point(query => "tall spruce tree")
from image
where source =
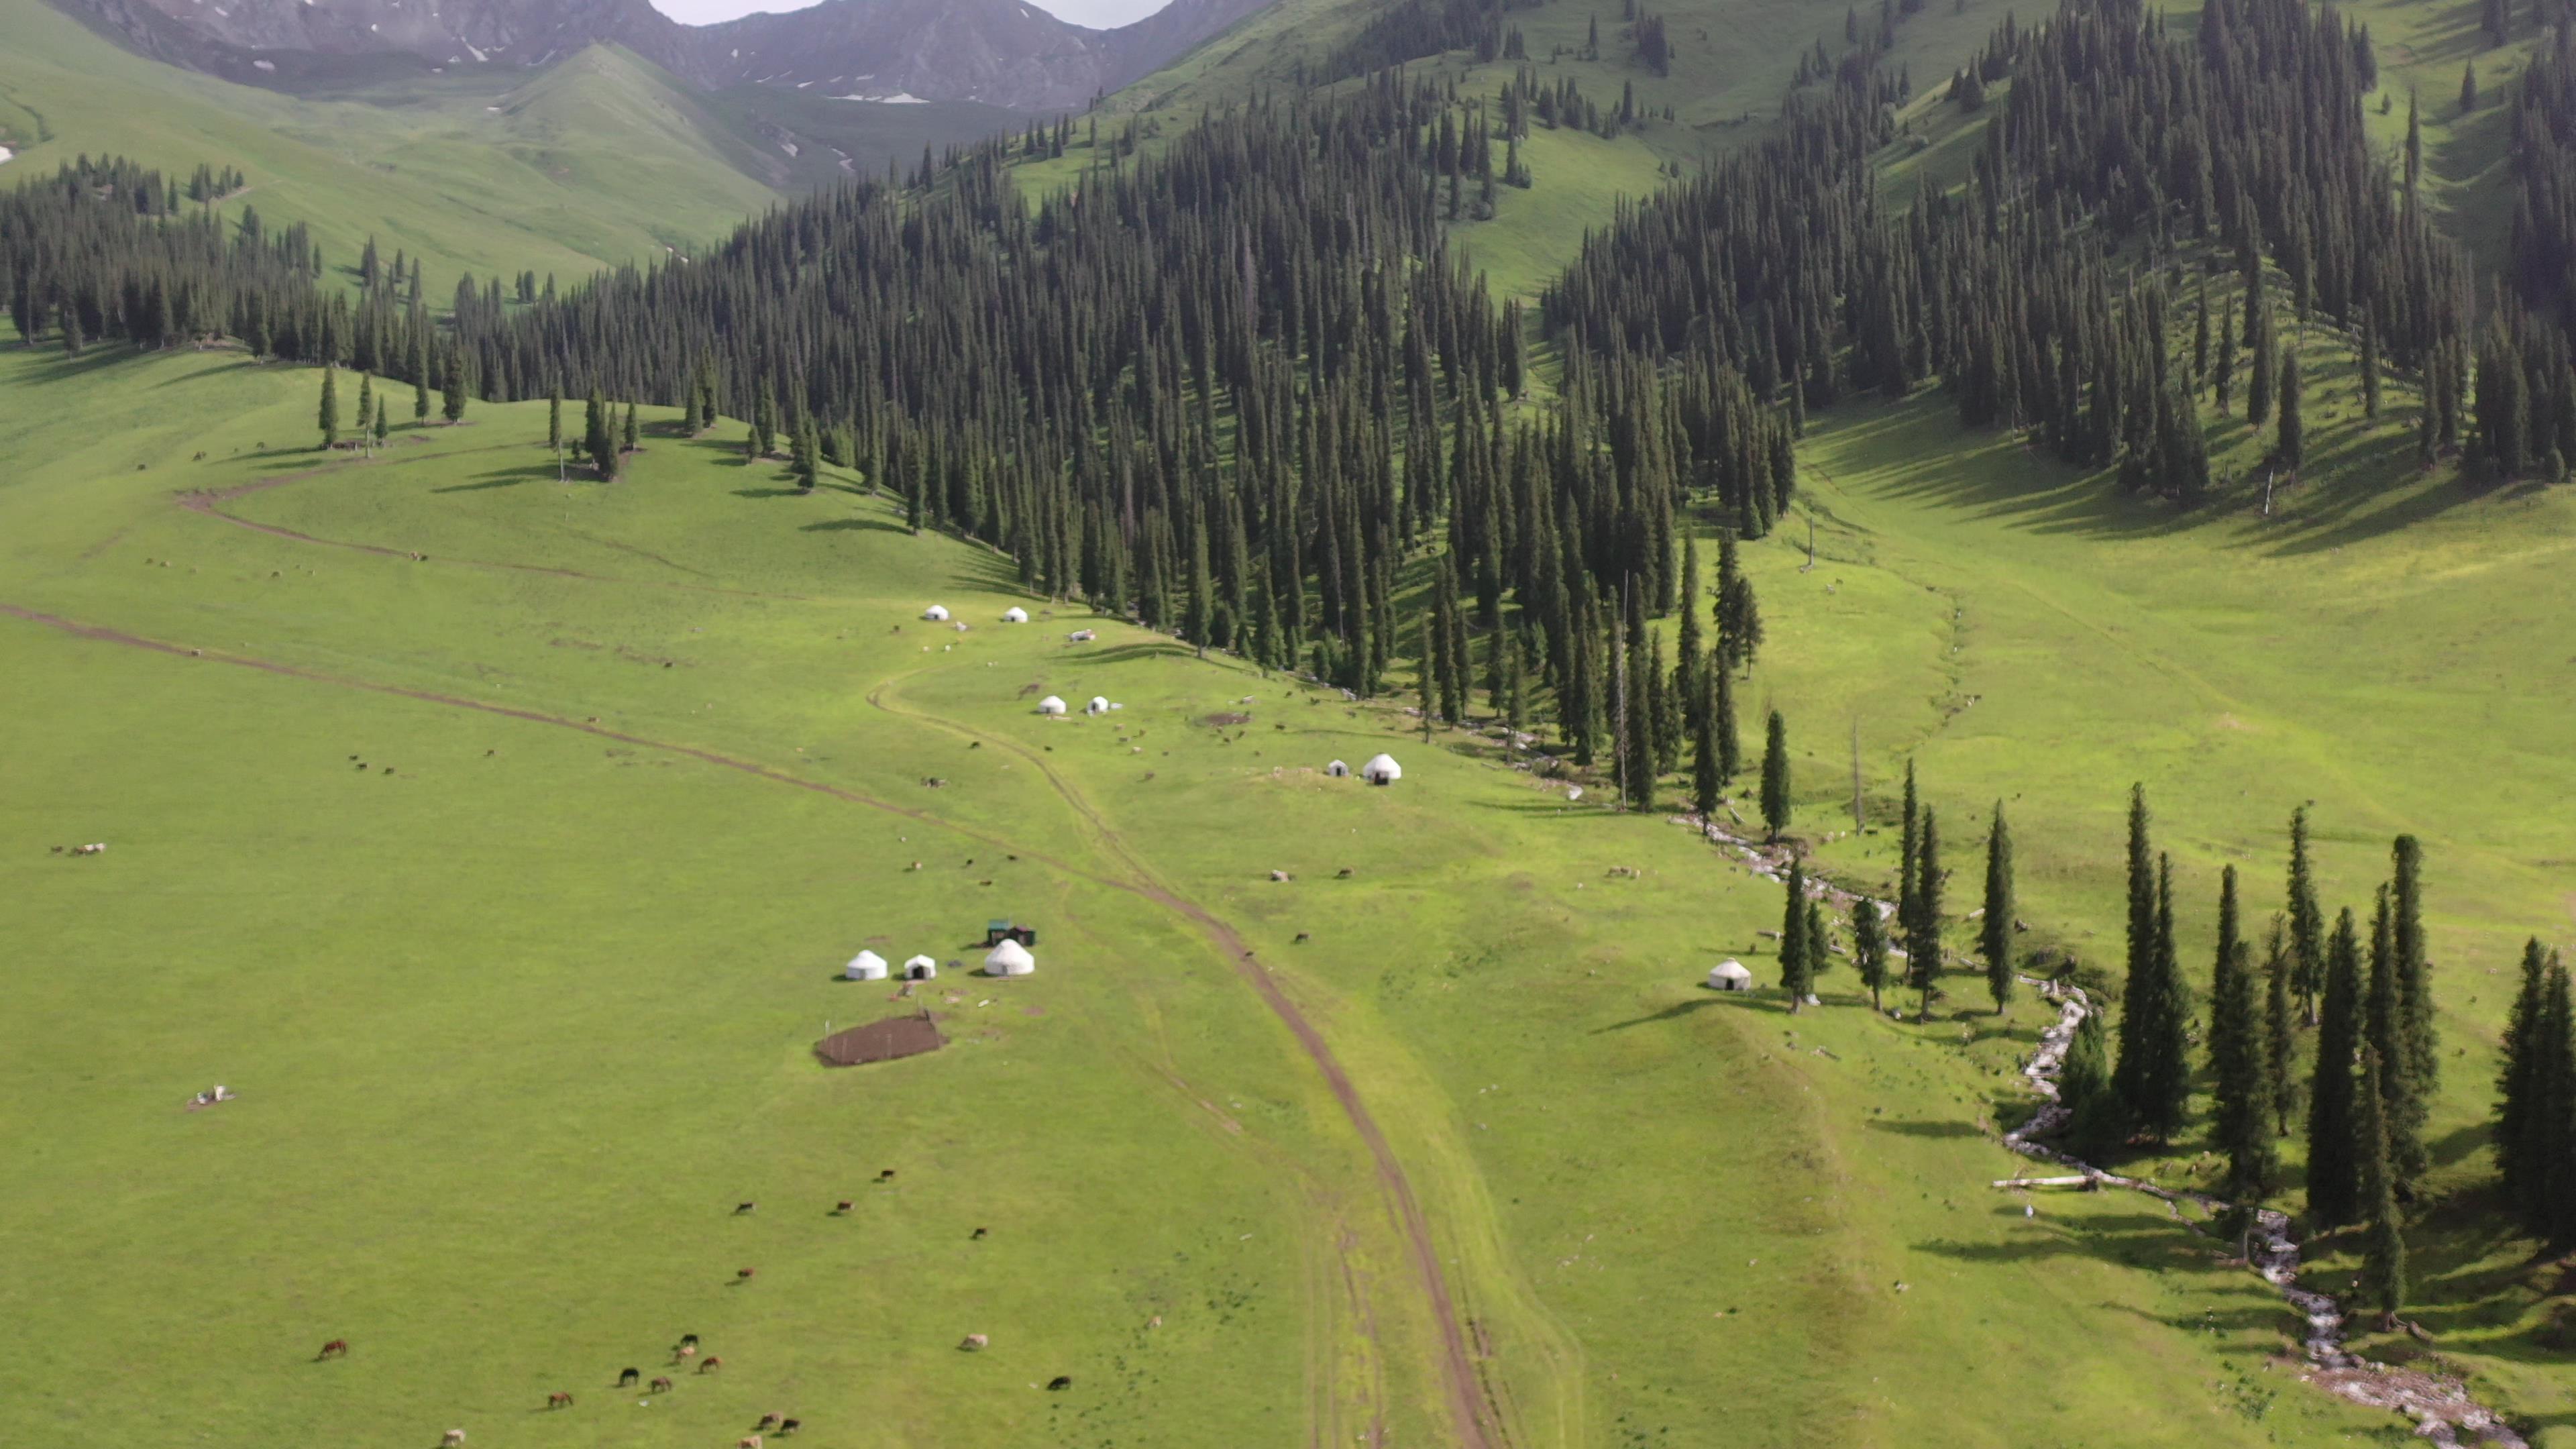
[(2384, 1032), (2383, 1254), (1923, 933), (2293, 447), (2280, 1040), (1797, 972), (1775, 776), (2245, 1116), (2423, 1046), (1730, 739), (1995, 941), (2307, 922), (330, 418), (2334, 1112), (1869, 948), (1909, 843), (2518, 1089)]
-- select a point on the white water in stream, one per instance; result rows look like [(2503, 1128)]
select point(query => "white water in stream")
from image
[(2440, 1406)]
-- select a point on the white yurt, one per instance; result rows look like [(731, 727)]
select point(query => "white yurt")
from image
[(1015, 615), (1099, 705), (1729, 976), (1382, 770), (1051, 705), (935, 614), (1338, 770), (1009, 959), (920, 968), (865, 966)]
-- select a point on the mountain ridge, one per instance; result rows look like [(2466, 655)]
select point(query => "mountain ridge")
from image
[(999, 53)]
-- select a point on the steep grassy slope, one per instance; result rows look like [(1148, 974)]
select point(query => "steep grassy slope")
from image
[(517, 1025)]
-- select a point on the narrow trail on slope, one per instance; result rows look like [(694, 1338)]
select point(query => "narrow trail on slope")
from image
[(2440, 1406), (210, 505), (1457, 1372), (1465, 1392)]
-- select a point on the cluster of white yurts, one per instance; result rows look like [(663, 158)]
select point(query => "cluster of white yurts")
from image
[(1007, 958)]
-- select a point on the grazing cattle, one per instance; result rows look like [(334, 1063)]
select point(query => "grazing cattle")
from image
[(661, 1386), (973, 1343), (741, 1208), (628, 1378), (558, 1400), (789, 1426), (711, 1365), (336, 1348), (452, 1439), (1059, 1383)]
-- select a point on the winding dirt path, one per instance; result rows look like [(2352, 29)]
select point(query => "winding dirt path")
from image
[(1458, 1372), (1457, 1369)]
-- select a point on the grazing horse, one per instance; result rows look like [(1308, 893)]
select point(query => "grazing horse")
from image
[(453, 1439), (843, 1206), (740, 1208), (979, 1235), (885, 1174), (747, 1441), (336, 1348), (1059, 1383), (628, 1378), (973, 1343), (661, 1386), (789, 1426), (743, 1275), (767, 1421), (711, 1365), (684, 1353), (558, 1400)]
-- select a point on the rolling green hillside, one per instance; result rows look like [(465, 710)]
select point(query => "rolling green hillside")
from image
[(518, 1012)]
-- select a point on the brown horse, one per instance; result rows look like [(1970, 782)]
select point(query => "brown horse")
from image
[(711, 1365), (336, 1348), (661, 1386), (558, 1400)]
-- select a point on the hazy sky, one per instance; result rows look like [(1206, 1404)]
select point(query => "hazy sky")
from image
[(1100, 13)]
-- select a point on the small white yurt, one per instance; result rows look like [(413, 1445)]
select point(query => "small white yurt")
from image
[(935, 614), (1051, 705), (1729, 976), (1009, 959), (1015, 615), (920, 968), (1338, 770), (1382, 770), (866, 966), (1099, 705)]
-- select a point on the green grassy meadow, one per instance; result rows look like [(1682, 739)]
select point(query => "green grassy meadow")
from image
[(516, 1026)]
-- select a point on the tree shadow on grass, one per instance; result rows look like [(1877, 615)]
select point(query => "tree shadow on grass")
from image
[(1739, 1000), (1934, 1128), (505, 478), (769, 493), (850, 525)]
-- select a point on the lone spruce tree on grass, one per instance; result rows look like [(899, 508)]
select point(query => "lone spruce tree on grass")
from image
[(1995, 941), (1775, 777), (1797, 972), (384, 425), (1923, 932)]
